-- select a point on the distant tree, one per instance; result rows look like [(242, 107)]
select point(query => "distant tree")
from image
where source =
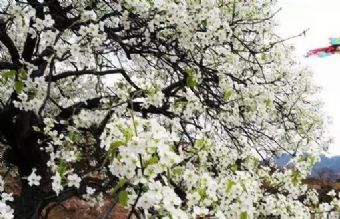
[(325, 174), (174, 104)]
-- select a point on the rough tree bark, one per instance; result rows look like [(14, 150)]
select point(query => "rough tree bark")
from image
[(24, 153)]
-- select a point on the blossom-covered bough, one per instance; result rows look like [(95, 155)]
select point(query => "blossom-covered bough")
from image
[(173, 108)]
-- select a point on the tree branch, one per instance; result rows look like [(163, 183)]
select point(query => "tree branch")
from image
[(5, 65), (7, 41), (66, 74)]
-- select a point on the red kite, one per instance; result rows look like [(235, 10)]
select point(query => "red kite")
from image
[(327, 51)]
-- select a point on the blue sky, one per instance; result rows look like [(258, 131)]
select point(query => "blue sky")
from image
[(322, 17)]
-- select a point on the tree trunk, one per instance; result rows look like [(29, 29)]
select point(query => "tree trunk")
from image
[(28, 204), (24, 152)]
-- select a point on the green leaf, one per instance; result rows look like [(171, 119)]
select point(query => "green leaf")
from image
[(151, 2), (152, 160), (90, 3), (202, 192), (62, 168), (112, 152), (244, 187), (36, 128), (296, 177), (244, 215), (311, 159), (268, 102), (152, 91), (74, 136), (121, 85), (119, 185), (191, 77), (301, 131), (178, 170), (128, 134), (205, 23), (191, 82), (230, 185), (9, 74), (123, 198), (19, 86), (200, 142), (116, 144), (180, 103), (233, 167), (249, 109), (195, 1), (78, 156), (227, 94), (22, 74), (256, 164)]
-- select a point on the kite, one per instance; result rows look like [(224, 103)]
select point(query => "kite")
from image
[(327, 51)]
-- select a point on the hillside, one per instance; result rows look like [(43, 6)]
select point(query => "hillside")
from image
[(328, 168)]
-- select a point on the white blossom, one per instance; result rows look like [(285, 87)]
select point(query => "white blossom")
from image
[(56, 183), (73, 180), (33, 178)]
